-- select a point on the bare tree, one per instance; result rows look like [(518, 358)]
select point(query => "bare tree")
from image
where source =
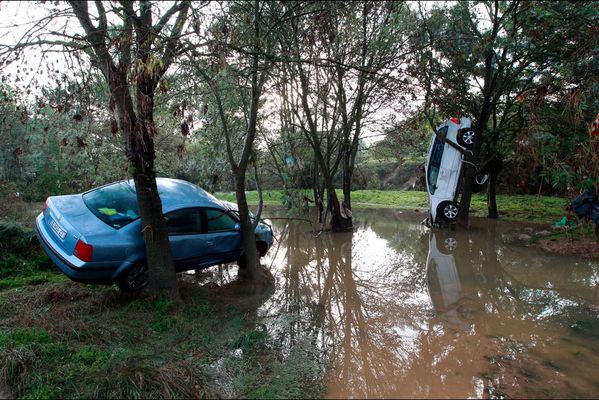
[(132, 44), (344, 67), (238, 60)]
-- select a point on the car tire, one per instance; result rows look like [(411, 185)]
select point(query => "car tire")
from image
[(447, 245), (134, 279), (466, 138), (262, 248), (448, 210)]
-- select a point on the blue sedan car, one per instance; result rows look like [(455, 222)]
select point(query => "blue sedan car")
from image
[(95, 237)]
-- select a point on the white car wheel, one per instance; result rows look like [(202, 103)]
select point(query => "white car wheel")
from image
[(449, 211)]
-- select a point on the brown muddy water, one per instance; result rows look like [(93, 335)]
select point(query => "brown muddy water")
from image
[(397, 310)]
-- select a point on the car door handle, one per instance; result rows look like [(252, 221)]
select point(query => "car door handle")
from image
[(209, 242)]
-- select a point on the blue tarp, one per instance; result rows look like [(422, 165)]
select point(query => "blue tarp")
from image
[(587, 205)]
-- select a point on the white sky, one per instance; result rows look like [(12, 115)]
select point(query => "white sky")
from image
[(17, 17)]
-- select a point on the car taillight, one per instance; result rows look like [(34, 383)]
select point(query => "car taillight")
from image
[(45, 207), (83, 251), (455, 120)]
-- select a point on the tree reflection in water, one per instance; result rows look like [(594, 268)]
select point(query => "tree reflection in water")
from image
[(393, 310)]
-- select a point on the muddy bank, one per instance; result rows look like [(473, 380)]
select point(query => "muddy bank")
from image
[(555, 240), (585, 247)]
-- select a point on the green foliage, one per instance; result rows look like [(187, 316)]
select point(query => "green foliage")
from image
[(247, 341), (20, 271), (21, 260), (15, 238)]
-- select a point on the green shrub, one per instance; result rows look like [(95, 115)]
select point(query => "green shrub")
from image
[(15, 238)]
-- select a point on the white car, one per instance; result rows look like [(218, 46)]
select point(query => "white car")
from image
[(443, 167), (444, 279)]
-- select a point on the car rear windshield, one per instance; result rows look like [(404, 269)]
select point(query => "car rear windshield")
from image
[(114, 204)]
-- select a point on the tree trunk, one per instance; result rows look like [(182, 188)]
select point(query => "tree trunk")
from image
[(141, 155), (252, 271), (483, 118), (470, 172), (338, 222), (492, 198), (470, 176), (494, 168), (163, 279)]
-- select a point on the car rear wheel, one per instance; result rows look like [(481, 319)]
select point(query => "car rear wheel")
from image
[(466, 138), (136, 278), (448, 211)]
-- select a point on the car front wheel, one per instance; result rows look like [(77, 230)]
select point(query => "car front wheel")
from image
[(136, 278), (262, 249), (448, 210)]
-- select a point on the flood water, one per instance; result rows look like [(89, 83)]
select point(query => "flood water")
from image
[(394, 309)]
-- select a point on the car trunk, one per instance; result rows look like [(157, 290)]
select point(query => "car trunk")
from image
[(68, 220)]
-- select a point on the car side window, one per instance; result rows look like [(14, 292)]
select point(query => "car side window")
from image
[(438, 147), (218, 220), (187, 221)]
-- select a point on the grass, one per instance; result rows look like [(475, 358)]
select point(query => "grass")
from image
[(60, 339), (511, 207), (21, 260), (64, 340)]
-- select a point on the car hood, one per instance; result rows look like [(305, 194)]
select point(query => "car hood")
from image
[(229, 205)]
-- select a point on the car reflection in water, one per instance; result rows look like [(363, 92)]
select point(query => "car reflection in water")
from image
[(443, 278)]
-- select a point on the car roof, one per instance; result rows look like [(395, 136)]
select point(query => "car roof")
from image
[(177, 193)]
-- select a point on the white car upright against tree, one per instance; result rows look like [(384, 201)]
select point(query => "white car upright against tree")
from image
[(443, 167)]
